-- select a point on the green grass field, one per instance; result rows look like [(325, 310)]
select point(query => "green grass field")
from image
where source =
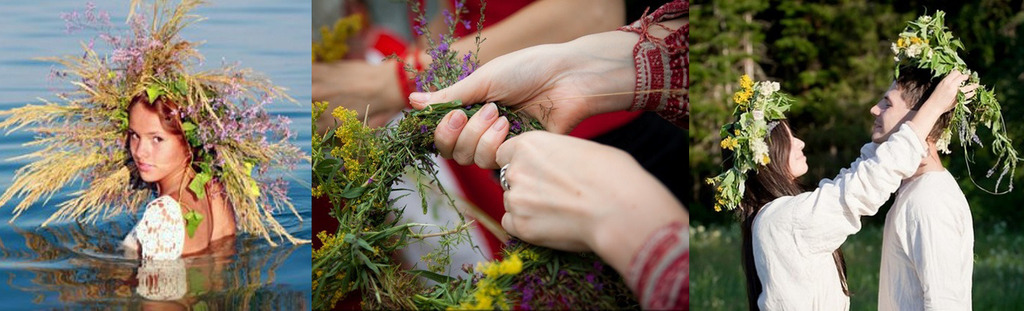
[(717, 281)]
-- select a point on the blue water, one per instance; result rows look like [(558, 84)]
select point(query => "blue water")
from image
[(76, 266)]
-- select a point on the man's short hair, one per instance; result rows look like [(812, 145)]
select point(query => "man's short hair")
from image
[(917, 85)]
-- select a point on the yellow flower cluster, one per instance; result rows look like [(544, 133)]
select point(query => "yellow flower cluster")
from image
[(359, 151), (910, 41), (488, 291), (742, 96), (329, 242), (730, 143), (334, 41)]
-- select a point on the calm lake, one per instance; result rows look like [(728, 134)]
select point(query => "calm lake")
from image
[(78, 266)]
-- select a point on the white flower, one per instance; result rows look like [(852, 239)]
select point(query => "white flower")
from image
[(914, 50), (925, 19), (943, 143), (767, 88), (760, 150), (895, 49), (758, 114)]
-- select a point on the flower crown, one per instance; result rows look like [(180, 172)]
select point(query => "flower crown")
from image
[(222, 117), (926, 43), (759, 107)]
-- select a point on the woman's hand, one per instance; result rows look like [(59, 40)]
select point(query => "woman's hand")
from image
[(572, 194), (554, 83), (942, 99), (359, 86)]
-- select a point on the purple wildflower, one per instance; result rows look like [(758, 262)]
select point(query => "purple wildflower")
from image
[(465, 24), (423, 128), (449, 20)]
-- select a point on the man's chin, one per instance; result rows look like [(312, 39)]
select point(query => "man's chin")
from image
[(878, 138)]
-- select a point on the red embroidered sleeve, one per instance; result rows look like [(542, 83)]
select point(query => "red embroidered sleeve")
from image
[(660, 271), (663, 64)]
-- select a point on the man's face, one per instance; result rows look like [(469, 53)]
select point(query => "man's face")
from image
[(889, 113)]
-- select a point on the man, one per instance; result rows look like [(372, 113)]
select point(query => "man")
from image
[(928, 242)]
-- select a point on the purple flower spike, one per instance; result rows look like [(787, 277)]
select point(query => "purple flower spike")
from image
[(423, 128), (465, 24)]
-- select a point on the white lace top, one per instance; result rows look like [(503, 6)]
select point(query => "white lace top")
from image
[(161, 232)]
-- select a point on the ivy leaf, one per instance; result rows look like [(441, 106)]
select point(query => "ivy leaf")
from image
[(152, 92), (254, 187), (198, 184), (190, 133), (180, 87), (192, 221)]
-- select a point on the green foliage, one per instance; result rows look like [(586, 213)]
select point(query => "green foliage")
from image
[(717, 281)]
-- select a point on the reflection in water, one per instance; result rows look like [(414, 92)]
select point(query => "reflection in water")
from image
[(82, 266)]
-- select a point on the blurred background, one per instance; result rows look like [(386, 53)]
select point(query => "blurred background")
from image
[(834, 57), (78, 266)]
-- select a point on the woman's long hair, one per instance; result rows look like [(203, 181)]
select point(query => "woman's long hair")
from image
[(767, 184)]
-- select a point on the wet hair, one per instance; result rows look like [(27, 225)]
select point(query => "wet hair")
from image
[(763, 186), (916, 85), (170, 121)]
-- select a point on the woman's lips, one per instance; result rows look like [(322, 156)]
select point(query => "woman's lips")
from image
[(143, 167)]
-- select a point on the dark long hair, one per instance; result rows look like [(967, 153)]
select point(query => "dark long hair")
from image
[(767, 184)]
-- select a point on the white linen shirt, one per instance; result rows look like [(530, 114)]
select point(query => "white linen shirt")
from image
[(794, 237), (927, 247)]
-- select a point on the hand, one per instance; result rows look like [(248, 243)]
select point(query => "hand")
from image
[(359, 86), (944, 97), (572, 194), (554, 83)]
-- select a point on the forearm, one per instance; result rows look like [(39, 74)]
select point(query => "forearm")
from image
[(644, 208), (541, 22)]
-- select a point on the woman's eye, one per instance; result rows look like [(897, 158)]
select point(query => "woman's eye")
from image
[(134, 136), (158, 139)]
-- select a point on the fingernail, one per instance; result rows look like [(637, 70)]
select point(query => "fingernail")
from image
[(499, 124), (419, 97), (457, 120), (489, 111)]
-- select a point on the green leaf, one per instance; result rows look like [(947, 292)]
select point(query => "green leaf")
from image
[(198, 184), (190, 133), (192, 221), (441, 279), (153, 91), (180, 87), (352, 193)]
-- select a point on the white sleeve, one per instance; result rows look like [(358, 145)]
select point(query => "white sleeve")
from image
[(936, 246), (823, 218), (161, 233)]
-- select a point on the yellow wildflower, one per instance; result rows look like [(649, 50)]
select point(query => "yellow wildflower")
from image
[(901, 43), (512, 265), (740, 97), (746, 83), (765, 159)]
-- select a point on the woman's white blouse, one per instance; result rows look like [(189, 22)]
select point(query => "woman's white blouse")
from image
[(794, 237), (161, 233)]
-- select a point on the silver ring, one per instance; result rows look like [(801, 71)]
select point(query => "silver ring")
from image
[(501, 176)]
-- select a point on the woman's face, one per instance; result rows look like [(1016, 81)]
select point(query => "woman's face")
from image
[(157, 152), (797, 160)]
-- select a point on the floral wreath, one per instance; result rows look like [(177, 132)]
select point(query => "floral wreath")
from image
[(235, 141), (926, 43), (759, 108)]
